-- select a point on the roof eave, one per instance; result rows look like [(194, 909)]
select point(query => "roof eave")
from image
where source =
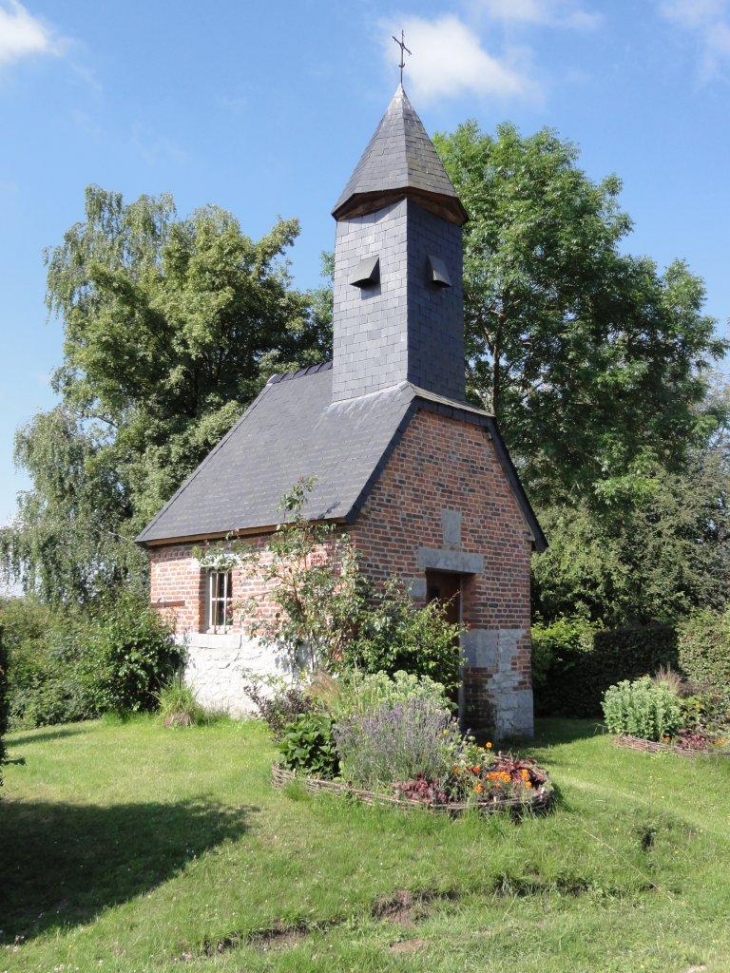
[(441, 204)]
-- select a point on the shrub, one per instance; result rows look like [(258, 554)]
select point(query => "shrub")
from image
[(3, 699), (51, 675), (559, 652), (134, 654), (307, 745), (395, 634), (414, 738), (359, 693), (643, 709), (278, 703), (67, 666)]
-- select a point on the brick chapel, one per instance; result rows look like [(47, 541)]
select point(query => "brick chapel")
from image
[(420, 479)]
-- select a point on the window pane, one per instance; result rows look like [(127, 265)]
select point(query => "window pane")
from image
[(219, 580)]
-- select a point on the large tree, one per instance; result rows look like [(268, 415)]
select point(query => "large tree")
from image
[(593, 362), (660, 553), (171, 327)]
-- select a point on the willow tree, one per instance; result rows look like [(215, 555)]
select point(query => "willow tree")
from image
[(171, 326)]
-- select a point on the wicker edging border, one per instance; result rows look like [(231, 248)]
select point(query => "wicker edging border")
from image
[(540, 800), (651, 746)]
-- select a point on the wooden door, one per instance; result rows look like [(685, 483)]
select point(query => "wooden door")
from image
[(446, 588)]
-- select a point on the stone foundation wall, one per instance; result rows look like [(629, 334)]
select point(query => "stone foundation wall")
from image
[(218, 667)]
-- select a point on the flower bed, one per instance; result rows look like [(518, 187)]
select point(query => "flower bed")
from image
[(507, 784), (685, 750)]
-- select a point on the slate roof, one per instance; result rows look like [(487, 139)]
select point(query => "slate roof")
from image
[(293, 429), (400, 156)]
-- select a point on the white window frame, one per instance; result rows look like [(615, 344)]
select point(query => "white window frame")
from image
[(217, 606)]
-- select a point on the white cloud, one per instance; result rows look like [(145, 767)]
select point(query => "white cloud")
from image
[(449, 60), (694, 13), (22, 35), (708, 22), (555, 13)]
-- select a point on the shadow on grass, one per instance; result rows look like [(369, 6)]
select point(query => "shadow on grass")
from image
[(21, 738), (63, 863), (555, 731)]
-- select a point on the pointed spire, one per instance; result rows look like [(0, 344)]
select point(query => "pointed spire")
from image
[(400, 160)]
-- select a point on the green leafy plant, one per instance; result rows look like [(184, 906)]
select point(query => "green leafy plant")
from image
[(136, 655), (74, 665), (307, 745), (358, 693), (643, 708), (395, 634)]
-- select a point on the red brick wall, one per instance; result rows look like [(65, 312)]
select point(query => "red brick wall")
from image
[(443, 463), (178, 587)]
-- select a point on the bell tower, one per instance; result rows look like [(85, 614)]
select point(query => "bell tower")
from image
[(398, 298)]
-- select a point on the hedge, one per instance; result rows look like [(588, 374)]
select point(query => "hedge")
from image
[(576, 664), (704, 649), (3, 698)]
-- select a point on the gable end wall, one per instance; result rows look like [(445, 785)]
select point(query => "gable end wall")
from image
[(441, 467)]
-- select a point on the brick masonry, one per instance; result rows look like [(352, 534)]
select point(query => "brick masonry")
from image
[(442, 467), (442, 490)]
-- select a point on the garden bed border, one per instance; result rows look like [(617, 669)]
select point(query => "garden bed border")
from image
[(652, 746), (539, 800)]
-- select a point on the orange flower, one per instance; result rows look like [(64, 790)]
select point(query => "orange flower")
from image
[(488, 745), (478, 789)]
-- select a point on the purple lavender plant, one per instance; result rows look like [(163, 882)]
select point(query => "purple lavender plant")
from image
[(397, 743)]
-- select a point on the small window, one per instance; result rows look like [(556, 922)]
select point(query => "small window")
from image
[(220, 604)]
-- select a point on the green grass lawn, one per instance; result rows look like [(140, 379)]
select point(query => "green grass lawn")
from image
[(132, 847)]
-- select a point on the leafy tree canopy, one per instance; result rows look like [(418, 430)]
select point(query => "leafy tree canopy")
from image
[(659, 554), (171, 327), (593, 362)]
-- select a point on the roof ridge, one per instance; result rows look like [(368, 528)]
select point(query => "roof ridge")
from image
[(299, 373)]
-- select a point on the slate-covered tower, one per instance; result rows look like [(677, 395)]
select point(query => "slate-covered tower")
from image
[(398, 300)]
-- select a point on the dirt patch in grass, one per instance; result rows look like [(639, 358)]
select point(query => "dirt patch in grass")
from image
[(407, 946), (518, 887), (406, 908)]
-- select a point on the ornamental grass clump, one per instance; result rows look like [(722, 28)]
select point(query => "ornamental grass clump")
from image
[(643, 708), (416, 737)]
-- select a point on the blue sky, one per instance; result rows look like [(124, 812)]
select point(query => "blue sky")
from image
[(264, 108)]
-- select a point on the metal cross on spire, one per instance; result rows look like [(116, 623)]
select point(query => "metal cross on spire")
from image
[(403, 51)]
